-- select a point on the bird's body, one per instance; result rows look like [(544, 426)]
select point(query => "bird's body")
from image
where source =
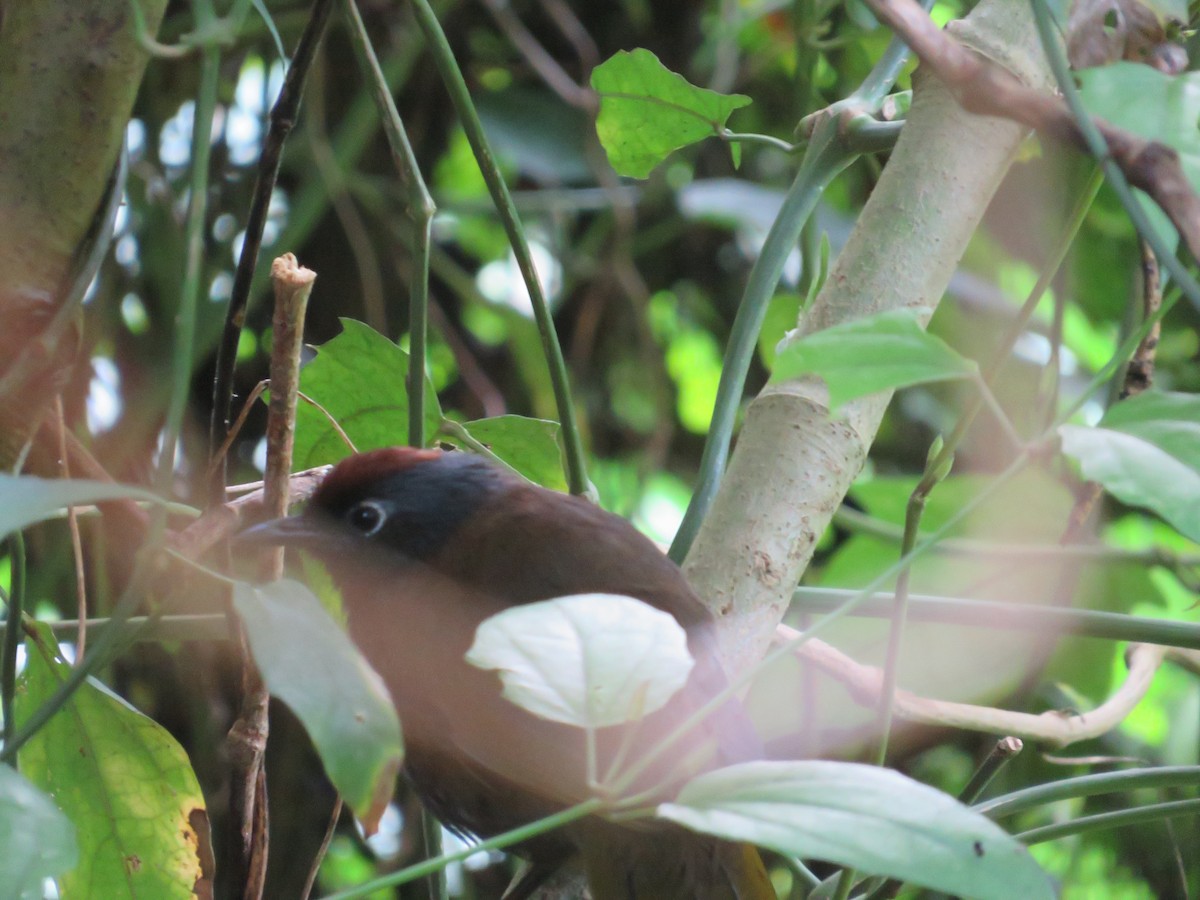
[(424, 546)]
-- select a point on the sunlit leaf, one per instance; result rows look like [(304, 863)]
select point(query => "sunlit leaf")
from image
[(872, 819), (528, 445), (1146, 452), (694, 363), (879, 353), (36, 840), (647, 111), (590, 660), (310, 664), (125, 783), (358, 377), (28, 499)]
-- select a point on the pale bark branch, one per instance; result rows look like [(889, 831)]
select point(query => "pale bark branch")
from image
[(1053, 728)]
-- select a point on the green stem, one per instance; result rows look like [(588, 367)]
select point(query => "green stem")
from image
[(194, 231), (1089, 786), (1004, 750), (829, 152), (1152, 812), (420, 207), (1098, 147), (431, 833), (887, 691), (197, 627), (937, 466), (764, 140), (992, 614), (1103, 554), (12, 633), (824, 160), (508, 838), (460, 96)]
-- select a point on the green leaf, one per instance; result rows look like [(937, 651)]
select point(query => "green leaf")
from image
[(590, 660), (869, 818), (528, 445), (1146, 453), (1152, 105), (28, 499), (647, 111), (310, 664), (123, 781), (1158, 107), (879, 353), (358, 377), (36, 840)]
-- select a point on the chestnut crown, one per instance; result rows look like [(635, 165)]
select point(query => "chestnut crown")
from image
[(403, 499)]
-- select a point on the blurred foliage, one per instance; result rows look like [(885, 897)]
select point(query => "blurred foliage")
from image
[(644, 278)]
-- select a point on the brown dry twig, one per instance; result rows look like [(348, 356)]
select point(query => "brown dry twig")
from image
[(985, 88), (248, 737)]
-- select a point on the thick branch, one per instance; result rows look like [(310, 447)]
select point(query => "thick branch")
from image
[(793, 463)]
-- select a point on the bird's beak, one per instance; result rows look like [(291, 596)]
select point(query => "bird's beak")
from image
[(290, 531)]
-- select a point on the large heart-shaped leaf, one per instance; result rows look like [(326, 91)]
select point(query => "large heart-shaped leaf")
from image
[(124, 782), (358, 378), (647, 111)]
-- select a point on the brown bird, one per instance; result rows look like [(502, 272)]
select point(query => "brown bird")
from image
[(424, 545)]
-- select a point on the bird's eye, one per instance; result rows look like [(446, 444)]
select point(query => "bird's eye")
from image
[(366, 517)]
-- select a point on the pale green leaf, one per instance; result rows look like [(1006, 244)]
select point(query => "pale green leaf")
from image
[(1146, 452), (872, 819), (882, 352), (309, 663), (27, 499), (590, 660), (36, 840)]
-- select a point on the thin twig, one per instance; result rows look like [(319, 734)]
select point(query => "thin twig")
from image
[(248, 736), (283, 117), (421, 209), (219, 456), (1139, 374), (81, 604), (460, 96), (323, 849), (12, 634), (1005, 749), (345, 438), (539, 59)]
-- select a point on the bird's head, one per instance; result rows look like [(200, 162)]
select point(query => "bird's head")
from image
[(399, 499)]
